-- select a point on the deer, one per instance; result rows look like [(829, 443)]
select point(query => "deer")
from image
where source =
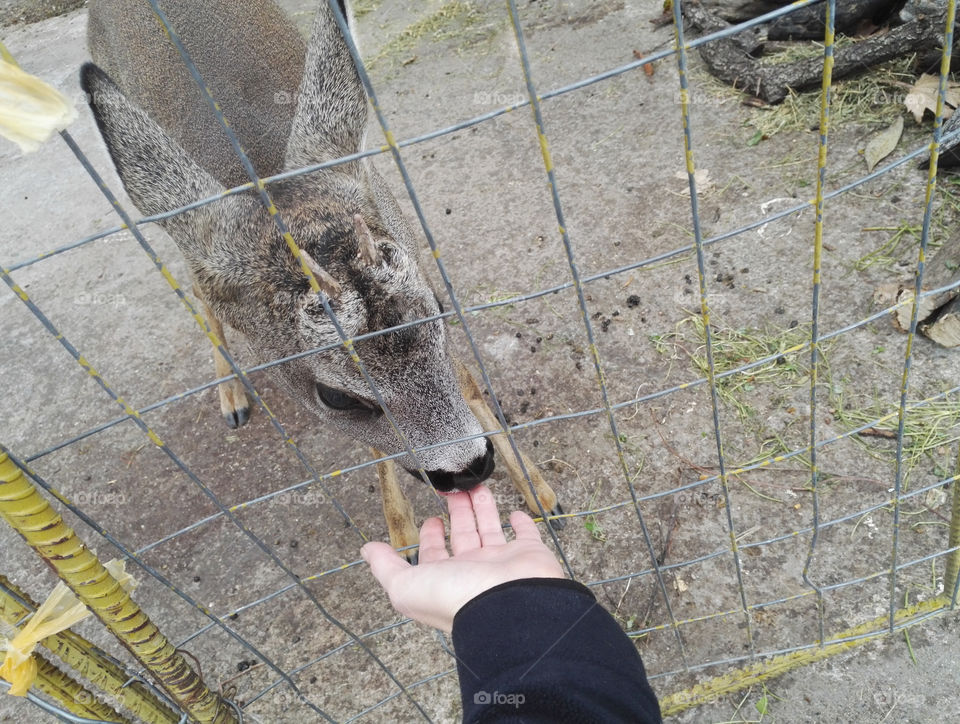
[(293, 104)]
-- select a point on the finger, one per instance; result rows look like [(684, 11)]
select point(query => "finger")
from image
[(488, 518), (432, 545), (463, 527), (384, 562), (523, 527)]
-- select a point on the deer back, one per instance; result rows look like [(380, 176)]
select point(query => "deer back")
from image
[(248, 54)]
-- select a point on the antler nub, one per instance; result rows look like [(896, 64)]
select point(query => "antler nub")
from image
[(328, 285), (367, 248)]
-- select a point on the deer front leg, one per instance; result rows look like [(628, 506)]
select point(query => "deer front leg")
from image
[(489, 422), (397, 510), (233, 397)]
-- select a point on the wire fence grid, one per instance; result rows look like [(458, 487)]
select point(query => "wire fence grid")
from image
[(359, 648)]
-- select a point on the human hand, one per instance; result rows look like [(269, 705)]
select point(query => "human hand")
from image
[(436, 589)]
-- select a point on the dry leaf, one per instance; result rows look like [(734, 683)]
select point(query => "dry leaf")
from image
[(882, 144), (885, 295), (702, 177), (648, 68), (923, 97)]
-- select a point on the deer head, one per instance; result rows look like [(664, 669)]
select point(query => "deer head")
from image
[(352, 237)]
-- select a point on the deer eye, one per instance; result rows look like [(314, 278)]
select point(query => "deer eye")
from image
[(339, 400)]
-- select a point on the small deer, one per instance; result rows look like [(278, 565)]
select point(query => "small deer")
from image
[(291, 105)]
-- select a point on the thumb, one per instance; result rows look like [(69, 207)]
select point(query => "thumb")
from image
[(384, 562)]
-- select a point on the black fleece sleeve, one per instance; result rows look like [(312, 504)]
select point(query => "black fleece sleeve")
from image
[(544, 650)]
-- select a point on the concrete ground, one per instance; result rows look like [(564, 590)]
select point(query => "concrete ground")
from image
[(14, 12), (617, 147)]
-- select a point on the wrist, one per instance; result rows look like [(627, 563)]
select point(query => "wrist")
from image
[(551, 581)]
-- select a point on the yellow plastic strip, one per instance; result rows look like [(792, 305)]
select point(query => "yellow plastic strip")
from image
[(60, 611), (31, 110)]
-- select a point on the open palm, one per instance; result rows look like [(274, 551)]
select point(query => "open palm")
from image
[(436, 589)]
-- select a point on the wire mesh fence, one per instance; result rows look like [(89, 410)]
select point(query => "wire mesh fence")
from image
[(742, 489)]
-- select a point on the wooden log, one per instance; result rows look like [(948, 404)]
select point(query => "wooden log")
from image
[(807, 23), (728, 61), (945, 327), (950, 150), (941, 271), (746, 42), (852, 16), (736, 11)]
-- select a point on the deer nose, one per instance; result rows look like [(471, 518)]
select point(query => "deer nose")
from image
[(478, 471)]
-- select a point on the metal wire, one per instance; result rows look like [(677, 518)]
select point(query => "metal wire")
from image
[(448, 285), (918, 286), (612, 73), (825, 98), (608, 407), (705, 313), (584, 313)]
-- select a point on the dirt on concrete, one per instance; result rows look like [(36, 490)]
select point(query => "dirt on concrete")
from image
[(14, 12), (617, 146)]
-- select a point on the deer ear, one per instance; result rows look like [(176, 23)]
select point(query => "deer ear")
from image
[(156, 172), (331, 113)]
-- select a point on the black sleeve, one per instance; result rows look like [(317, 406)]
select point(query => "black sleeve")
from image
[(544, 650)]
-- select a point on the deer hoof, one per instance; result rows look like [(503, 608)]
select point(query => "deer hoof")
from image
[(237, 418), (557, 524), (412, 556), (233, 403)]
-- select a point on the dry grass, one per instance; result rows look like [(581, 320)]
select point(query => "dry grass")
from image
[(735, 348), (898, 251), (364, 7), (930, 434), (874, 98), (458, 20)]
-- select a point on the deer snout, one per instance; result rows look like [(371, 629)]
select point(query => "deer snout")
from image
[(478, 471)]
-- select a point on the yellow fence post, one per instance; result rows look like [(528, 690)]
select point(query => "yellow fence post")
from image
[(88, 661), (22, 506)]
